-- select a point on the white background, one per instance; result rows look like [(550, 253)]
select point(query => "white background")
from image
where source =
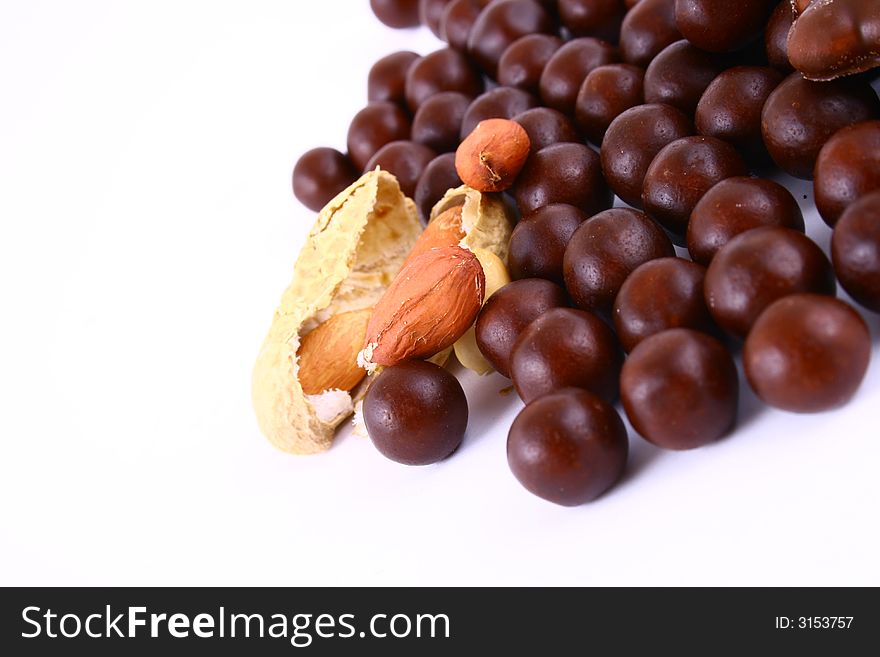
[(148, 230)]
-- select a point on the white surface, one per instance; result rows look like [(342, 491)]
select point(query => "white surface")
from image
[(148, 231)]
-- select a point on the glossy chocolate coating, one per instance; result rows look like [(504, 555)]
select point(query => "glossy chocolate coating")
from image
[(593, 18), (437, 123), (567, 68), (756, 268), (734, 206), (524, 60), (680, 389), (430, 13), (498, 103), (416, 413), (679, 75), (437, 178), (855, 251), (319, 175), (387, 77), (633, 140), (538, 242), (800, 116), (456, 22), (807, 353), (647, 29), (566, 348), (374, 126), (681, 173), (396, 13), (730, 108), (605, 250), (562, 173), (568, 447), (546, 127), (499, 25), (776, 37), (661, 294), (847, 168), (407, 160), (605, 94), (721, 26), (507, 312), (442, 70)]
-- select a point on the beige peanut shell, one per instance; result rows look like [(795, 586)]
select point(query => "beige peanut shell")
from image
[(485, 218)]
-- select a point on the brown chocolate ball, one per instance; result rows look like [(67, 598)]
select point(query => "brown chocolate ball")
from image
[(855, 251), (437, 123), (566, 348), (730, 108), (546, 127), (776, 37), (756, 268), (800, 116), (847, 168), (438, 177), (633, 140), (680, 389), (605, 250), (647, 29), (524, 60), (562, 173), (498, 103), (442, 70), (565, 72), (457, 20), (396, 13), (407, 160), (679, 75), (734, 206), (499, 25), (681, 173), (507, 312), (387, 78), (721, 26), (319, 175), (567, 447), (538, 242), (416, 413), (430, 13), (593, 18), (807, 353), (661, 294), (605, 94), (374, 126)]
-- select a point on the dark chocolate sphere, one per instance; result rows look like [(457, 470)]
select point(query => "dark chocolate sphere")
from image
[(756, 268), (430, 13), (680, 389), (633, 140), (498, 103), (396, 13), (319, 175), (592, 18), (374, 126), (407, 160), (681, 173), (566, 348), (847, 168), (647, 29), (416, 413), (438, 177), (734, 206), (605, 250), (567, 68), (507, 312), (437, 123), (606, 93), (387, 77), (457, 20), (661, 294), (776, 37), (524, 60), (538, 242), (567, 447), (807, 353), (499, 25), (562, 173), (442, 70), (679, 75), (546, 127), (800, 116), (721, 26), (855, 251)]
